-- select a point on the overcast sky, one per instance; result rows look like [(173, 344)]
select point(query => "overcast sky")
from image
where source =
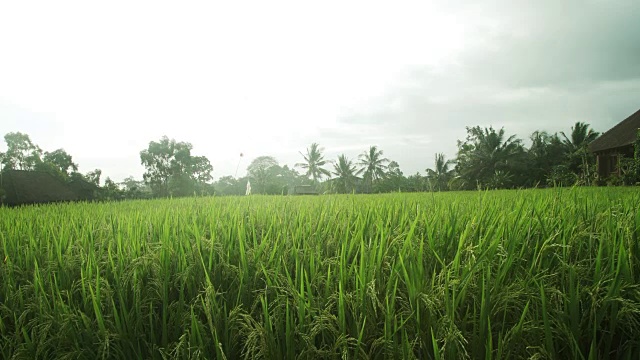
[(102, 79)]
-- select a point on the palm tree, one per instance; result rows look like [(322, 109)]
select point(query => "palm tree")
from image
[(313, 163), (486, 151), (373, 165), (440, 176), (346, 175), (547, 151), (576, 145), (581, 136)]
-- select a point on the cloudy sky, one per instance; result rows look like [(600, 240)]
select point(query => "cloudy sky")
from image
[(102, 79)]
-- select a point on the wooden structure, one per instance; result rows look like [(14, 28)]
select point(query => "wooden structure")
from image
[(303, 190), (615, 143)]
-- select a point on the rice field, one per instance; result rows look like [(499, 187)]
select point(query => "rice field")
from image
[(530, 274)]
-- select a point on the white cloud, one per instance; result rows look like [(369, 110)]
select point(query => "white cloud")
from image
[(263, 78)]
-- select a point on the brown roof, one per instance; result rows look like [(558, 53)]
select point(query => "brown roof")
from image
[(623, 134), (30, 187)]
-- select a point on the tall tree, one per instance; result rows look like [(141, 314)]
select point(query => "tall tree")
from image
[(416, 182), (346, 175), (157, 159), (134, 189), (394, 181), (581, 136), (579, 157), (228, 185), (545, 153), (22, 153), (201, 169), (373, 165), (281, 178), (94, 177), (393, 169), (262, 171), (313, 163), (111, 190), (61, 162), (440, 175), (487, 153), (172, 170)]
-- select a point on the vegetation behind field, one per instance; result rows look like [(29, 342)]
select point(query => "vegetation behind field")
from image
[(503, 275), (487, 158)]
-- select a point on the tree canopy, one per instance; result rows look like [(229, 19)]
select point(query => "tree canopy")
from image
[(346, 175), (373, 165), (171, 170), (440, 175), (21, 154), (486, 158), (313, 163)]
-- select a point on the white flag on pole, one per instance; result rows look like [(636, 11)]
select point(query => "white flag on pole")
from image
[(248, 188)]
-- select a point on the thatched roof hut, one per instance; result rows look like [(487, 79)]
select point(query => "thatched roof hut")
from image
[(303, 190), (33, 187), (615, 143)]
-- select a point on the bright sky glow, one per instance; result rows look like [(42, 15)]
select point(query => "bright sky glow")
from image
[(101, 80)]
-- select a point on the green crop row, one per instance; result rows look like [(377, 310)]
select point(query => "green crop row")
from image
[(534, 274)]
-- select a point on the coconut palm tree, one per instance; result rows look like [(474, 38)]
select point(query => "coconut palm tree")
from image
[(373, 165), (346, 175), (486, 151), (581, 136), (576, 146), (314, 162), (439, 176), (547, 151)]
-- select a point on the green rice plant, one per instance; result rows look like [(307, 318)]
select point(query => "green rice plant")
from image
[(482, 275)]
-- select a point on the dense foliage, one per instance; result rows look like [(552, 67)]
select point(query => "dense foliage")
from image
[(487, 158), (171, 169), (503, 275)]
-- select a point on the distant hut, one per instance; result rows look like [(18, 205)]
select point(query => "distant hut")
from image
[(302, 190), (614, 144), (33, 187)]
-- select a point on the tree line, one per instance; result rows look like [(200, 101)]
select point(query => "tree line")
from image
[(486, 159)]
